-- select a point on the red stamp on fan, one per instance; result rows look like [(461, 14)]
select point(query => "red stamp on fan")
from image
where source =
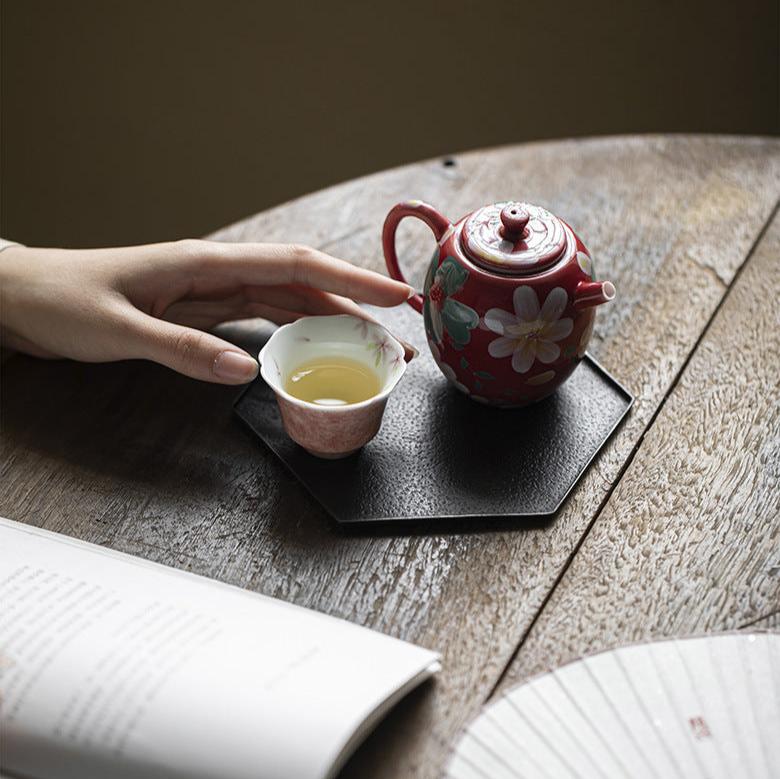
[(699, 727)]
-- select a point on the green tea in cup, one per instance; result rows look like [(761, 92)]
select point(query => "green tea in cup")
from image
[(332, 381), (332, 376)]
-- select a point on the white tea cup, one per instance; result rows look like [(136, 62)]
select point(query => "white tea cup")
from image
[(332, 431)]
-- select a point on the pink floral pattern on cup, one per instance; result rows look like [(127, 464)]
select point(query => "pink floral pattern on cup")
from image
[(332, 431)]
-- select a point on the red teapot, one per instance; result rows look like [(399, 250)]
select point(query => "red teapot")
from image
[(509, 299)]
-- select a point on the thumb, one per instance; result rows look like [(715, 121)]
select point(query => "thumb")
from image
[(191, 352)]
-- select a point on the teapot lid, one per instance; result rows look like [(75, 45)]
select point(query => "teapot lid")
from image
[(514, 238)]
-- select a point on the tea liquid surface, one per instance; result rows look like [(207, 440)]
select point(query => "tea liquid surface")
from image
[(333, 381)]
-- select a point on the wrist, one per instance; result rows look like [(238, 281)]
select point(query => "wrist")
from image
[(14, 260), (28, 295)]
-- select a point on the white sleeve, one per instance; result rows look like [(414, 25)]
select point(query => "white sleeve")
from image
[(7, 244)]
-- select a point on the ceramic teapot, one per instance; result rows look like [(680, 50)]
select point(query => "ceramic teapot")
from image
[(509, 298)]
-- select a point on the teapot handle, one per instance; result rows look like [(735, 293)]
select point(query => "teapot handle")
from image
[(438, 223)]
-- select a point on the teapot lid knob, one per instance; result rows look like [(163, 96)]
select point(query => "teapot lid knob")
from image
[(514, 219), (516, 239)]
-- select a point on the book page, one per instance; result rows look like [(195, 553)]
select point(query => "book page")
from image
[(114, 666)]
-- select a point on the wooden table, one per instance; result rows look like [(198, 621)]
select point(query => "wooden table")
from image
[(673, 530)]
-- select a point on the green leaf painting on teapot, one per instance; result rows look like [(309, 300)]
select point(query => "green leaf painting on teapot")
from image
[(442, 313)]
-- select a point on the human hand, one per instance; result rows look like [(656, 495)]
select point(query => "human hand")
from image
[(155, 302)]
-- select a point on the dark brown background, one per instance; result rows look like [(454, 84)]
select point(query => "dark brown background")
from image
[(134, 121)]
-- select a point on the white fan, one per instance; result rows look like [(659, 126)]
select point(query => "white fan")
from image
[(694, 707)]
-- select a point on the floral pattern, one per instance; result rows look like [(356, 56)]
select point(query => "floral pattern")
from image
[(585, 263), (397, 363), (442, 313), (447, 233), (541, 378), (362, 327), (479, 377), (381, 346), (381, 349), (529, 333), (446, 369)]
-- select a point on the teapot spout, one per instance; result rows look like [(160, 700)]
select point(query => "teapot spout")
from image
[(593, 293)]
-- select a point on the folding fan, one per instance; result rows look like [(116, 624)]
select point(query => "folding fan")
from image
[(694, 707)]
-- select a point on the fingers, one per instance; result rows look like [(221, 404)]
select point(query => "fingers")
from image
[(280, 305), (305, 300), (278, 316), (259, 264), (190, 352), (277, 304)]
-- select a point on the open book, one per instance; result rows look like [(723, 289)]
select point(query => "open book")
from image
[(116, 667)]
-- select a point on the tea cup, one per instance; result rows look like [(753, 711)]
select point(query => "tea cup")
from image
[(330, 431)]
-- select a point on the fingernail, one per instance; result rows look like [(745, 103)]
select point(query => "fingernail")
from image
[(235, 366), (412, 293)]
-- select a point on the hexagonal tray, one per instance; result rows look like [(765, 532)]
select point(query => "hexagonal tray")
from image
[(440, 455)]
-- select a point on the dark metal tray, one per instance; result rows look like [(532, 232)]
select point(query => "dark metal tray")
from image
[(441, 455)]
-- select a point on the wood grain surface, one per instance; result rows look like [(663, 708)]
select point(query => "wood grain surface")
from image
[(138, 459), (770, 622), (689, 541)]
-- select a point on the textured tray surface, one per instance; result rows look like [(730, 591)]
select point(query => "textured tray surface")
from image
[(440, 454)]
